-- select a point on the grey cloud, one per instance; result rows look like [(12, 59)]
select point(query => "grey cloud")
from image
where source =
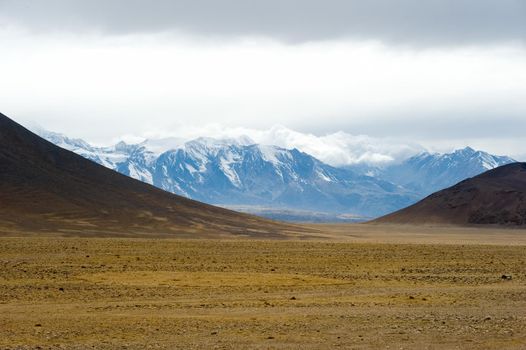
[(411, 22), (452, 125), (427, 124)]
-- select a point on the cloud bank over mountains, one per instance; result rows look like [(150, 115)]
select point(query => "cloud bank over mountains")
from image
[(441, 73), (336, 149)]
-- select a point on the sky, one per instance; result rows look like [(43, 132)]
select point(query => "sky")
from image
[(390, 75)]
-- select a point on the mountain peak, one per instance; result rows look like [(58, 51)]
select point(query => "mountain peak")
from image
[(426, 173), (466, 149), (121, 144)]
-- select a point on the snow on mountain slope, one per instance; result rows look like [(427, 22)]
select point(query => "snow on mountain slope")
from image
[(237, 171), (426, 173), (272, 176), (240, 172)]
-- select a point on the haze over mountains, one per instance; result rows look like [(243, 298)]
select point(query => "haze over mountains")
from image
[(266, 179), (47, 189)]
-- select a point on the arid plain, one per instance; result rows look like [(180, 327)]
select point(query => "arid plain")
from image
[(358, 287)]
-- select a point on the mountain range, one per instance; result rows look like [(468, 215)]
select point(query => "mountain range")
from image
[(425, 173), (47, 189), (237, 172)]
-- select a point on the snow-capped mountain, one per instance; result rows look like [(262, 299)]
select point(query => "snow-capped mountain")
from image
[(240, 172), (107, 156), (271, 176), (426, 173)]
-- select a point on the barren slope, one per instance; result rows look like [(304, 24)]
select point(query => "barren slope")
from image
[(496, 197), (44, 188)]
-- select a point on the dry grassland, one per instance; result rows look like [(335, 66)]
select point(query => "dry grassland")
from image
[(179, 294)]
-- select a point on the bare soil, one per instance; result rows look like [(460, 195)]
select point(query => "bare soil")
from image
[(105, 293)]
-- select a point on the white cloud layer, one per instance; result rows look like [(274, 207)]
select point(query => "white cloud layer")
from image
[(100, 87), (337, 149)]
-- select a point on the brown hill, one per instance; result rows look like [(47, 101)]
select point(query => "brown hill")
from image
[(497, 197), (44, 188)]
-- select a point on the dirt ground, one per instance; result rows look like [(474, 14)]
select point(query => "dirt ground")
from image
[(104, 293), (419, 234)]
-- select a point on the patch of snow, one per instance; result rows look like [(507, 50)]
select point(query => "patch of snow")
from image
[(272, 154), (140, 174), (323, 176), (190, 169), (226, 166)]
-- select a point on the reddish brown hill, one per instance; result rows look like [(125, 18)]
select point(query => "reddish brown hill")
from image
[(497, 197), (44, 188)]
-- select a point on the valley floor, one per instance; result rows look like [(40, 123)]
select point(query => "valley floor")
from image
[(179, 294)]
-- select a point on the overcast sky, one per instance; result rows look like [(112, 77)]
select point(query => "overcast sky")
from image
[(441, 73)]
